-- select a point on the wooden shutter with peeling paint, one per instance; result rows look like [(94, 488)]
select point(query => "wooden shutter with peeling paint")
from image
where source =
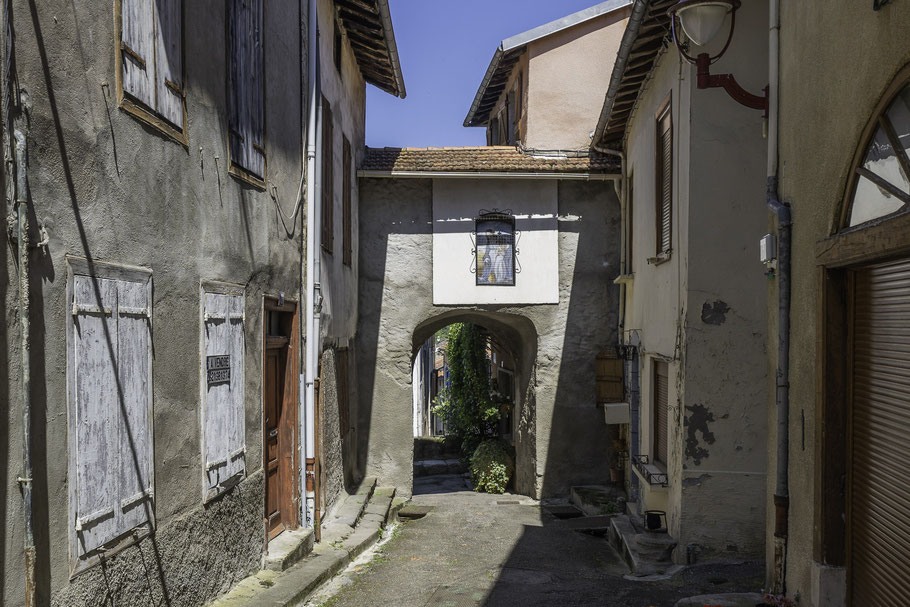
[(137, 49), (328, 178), (664, 156), (110, 395), (224, 444), (169, 60), (247, 101), (661, 411)]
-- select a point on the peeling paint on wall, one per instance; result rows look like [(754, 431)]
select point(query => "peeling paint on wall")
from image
[(696, 422), (695, 482), (714, 314)]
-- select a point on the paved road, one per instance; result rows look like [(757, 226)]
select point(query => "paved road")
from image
[(477, 549)]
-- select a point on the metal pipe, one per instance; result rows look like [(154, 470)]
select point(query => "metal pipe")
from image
[(622, 188), (784, 229), (312, 252), (25, 481)]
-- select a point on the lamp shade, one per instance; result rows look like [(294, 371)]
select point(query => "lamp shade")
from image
[(701, 21)]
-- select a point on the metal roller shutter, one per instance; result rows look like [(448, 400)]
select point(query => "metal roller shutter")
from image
[(879, 488), (661, 399)]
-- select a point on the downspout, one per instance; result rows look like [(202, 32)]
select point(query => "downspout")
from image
[(622, 187), (784, 230), (312, 266), (25, 482)]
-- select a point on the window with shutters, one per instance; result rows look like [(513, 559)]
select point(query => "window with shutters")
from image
[(664, 183), (347, 235), (328, 178), (109, 379), (660, 398), (246, 87), (609, 378), (222, 369), (150, 79)]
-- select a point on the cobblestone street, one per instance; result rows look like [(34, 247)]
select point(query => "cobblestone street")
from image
[(481, 549)]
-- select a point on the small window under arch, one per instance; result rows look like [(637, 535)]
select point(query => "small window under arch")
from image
[(495, 249), (879, 183)]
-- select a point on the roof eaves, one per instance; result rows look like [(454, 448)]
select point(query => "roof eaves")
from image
[(389, 33)]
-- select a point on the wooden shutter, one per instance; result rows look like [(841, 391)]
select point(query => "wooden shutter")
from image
[(112, 405), (247, 119), (661, 411), (224, 444), (664, 158), (328, 177), (609, 378), (347, 227), (879, 493), (137, 50), (169, 60)]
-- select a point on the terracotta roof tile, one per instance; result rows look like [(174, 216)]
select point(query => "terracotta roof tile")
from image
[(483, 160)]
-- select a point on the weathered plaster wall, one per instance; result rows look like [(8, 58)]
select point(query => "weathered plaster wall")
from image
[(827, 97), (562, 439), (568, 76), (702, 309), (110, 188)]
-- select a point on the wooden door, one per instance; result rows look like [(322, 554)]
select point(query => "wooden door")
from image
[(878, 505), (281, 440)]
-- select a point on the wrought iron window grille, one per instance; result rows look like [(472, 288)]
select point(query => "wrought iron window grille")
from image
[(641, 463), (494, 249)]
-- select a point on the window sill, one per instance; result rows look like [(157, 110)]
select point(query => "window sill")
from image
[(147, 116), (245, 176), (651, 474), (659, 259), (113, 547), (624, 279)]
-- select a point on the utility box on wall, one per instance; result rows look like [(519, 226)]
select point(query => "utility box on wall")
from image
[(495, 241)]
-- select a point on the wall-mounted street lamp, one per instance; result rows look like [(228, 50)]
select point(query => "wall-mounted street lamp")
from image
[(701, 21)]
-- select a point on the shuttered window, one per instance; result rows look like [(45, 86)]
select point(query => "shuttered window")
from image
[(661, 406), (346, 210), (879, 494), (664, 173), (151, 63), (224, 445), (246, 86), (109, 393), (609, 378), (328, 178)]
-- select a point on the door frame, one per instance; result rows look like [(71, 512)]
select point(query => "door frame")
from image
[(290, 398)]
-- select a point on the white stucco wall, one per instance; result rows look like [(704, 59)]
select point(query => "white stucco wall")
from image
[(456, 204)]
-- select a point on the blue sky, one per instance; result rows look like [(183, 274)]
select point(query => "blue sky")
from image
[(445, 48)]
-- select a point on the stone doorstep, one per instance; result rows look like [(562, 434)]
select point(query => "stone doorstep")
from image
[(732, 599), (594, 499), (646, 555), (288, 548), (354, 505)]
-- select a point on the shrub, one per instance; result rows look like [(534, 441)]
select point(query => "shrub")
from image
[(491, 467)]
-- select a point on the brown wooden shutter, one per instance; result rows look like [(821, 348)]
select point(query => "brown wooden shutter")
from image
[(609, 378), (664, 156), (661, 411), (347, 227), (328, 178), (879, 493), (247, 104), (137, 50), (169, 61)]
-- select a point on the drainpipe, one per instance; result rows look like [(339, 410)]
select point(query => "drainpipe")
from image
[(25, 482), (784, 230), (313, 296), (622, 188)]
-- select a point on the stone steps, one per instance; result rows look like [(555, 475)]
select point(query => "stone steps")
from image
[(433, 467), (647, 553), (356, 525)]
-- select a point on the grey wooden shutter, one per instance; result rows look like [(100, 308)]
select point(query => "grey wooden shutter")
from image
[(137, 40), (664, 156), (328, 177), (347, 227), (223, 409), (247, 111), (134, 419), (169, 60), (96, 410)]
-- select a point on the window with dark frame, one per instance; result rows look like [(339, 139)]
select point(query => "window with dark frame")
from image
[(150, 64), (664, 175), (660, 399), (328, 178), (495, 249), (246, 90), (347, 236), (337, 47)]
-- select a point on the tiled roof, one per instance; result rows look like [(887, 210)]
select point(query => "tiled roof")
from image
[(497, 159)]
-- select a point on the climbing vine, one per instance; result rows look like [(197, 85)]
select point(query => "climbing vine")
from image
[(466, 402)]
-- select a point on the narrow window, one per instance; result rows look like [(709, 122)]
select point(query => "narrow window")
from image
[(150, 60), (346, 221), (664, 173), (630, 228), (246, 85), (337, 47), (224, 443), (609, 378), (109, 395), (328, 178), (660, 398), (495, 249)]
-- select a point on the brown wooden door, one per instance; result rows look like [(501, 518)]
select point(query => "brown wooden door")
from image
[(281, 441), (878, 506)]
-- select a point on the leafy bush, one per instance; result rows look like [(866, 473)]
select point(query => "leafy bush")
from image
[(491, 467)]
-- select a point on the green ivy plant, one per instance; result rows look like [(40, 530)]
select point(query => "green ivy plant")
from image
[(491, 467)]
